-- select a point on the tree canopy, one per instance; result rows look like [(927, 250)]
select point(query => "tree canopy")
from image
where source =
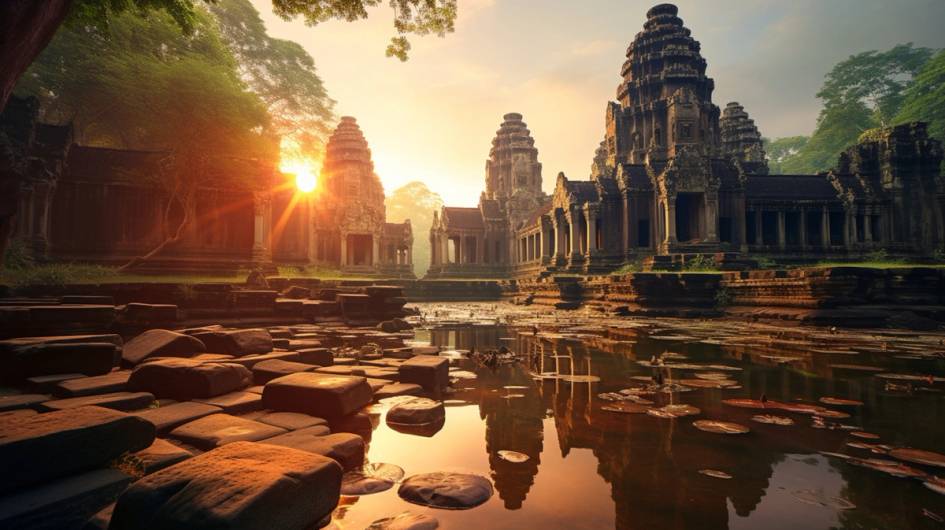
[(924, 99)]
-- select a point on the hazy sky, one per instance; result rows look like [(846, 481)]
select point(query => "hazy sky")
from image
[(558, 61)]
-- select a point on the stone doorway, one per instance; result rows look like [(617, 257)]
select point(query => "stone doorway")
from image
[(360, 250), (690, 212)]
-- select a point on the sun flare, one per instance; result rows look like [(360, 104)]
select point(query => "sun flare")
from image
[(305, 173)]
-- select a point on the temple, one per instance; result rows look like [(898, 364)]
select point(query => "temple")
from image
[(676, 178), (103, 205)]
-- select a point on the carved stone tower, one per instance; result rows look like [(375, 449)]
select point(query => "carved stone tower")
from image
[(741, 139), (513, 165)]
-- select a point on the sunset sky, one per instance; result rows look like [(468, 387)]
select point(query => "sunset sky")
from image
[(557, 62)]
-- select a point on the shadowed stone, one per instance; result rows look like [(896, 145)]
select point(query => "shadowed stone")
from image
[(221, 429), (240, 486), (316, 356), (64, 503), (40, 448), (46, 358), (123, 401), (161, 454), (168, 417), (184, 379), (345, 448), (237, 342), (99, 384), (266, 371), (455, 491), (22, 401), (238, 402), (292, 421), (429, 371), (324, 396), (418, 411), (398, 389), (48, 383), (250, 361), (160, 343)]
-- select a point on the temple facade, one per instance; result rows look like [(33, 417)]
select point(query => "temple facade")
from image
[(100, 205), (676, 177)]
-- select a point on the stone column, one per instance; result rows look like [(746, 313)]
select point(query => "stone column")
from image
[(802, 227), (670, 220), (262, 213), (742, 225), (625, 234), (42, 197), (712, 218), (375, 250), (560, 251), (848, 230), (867, 227), (825, 228), (344, 249), (480, 249), (590, 215), (759, 227), (575, 249), (782, 236)]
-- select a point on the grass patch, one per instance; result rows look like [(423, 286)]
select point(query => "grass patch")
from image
[(55, 275)]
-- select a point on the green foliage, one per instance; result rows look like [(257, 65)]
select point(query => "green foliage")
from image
[(781, 149), (764, 262), (924, 99), (700, 263), (723, 297), (417, 17), (18, 255), (628, 268), (281, 73), (54, 274), (415, 201), (97, 14)]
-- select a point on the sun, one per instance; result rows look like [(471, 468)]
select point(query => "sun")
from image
[(304, 171)]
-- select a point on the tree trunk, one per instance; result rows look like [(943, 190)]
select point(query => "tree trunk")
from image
[(26, 27), (169, 239)]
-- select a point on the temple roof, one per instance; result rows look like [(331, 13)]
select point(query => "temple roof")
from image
[(398, 230), (463, 218), (536, 214), (639, 178), (790, 187), (583, 190)]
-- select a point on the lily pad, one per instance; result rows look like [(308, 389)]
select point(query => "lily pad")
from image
[(918, 456), (512, 456), (674, 411), (890, 467), (833, 414), (626, 408), (451, 491), (714, 473), (746, 403), (720, 427), (371, 478), (865, 435), (840, 402), (708, 383), (936, 484), (771, 419)]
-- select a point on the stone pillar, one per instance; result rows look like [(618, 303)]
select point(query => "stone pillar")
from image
[(626, 240), (867, 227), (742, 224), (825, 228), (670, 220), (782, 236), (480, 250), (560, 251), (575, 249), (41, 198), (590, 215), (759, 227), (344, 249), (802, 227), (375, 250), (262, 214), (848, 230), (712, 218)]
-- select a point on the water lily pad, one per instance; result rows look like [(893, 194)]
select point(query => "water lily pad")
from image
[(746, 403), (516, 387), (711, 376), (371, 478), (512, 456), (890, 467), (833, 414), (463, 374), (580, 378), (626, 408), (865, 435), (771, 419), (714, 473), (451, 491), (708, 383), (406, 521), (918, 456), (936, 484), (720, 427), (674, 411), (840, 402)]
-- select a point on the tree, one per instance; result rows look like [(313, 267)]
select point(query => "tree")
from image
[(781, 149), (27, 26), (924, 99), (282, 73), (416, 202)]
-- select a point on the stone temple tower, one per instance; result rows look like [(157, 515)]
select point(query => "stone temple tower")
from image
[(741, 139), (665, 99), (513, 167)]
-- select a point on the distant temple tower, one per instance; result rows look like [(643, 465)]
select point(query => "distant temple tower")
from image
[(513, 165), (350, 228), (741, 140)]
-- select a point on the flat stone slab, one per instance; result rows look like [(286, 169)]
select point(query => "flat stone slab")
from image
[(221, 429), (185, 379), (429, 371), (417, 411), (43, 447), (124, 401), (160, 343), (47, 383), (266, 371), (161, 454), (398, 389), (63, 503), (46, 358), (240, 486), (324, 396), (87, 315), (99, 384), (237, 342), (291, 421), (453, 491), (345, 448), (23, 401), (315, 356), (251, 361), (149, 313), (166, 418), (239, 402)]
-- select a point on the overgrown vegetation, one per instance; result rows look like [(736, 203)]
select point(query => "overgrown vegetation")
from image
[(701, 263), (629, 268), (723, 297)]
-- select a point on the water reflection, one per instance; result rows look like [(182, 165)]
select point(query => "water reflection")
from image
[(651, 466)]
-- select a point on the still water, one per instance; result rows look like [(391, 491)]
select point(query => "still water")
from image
[(591, 468)]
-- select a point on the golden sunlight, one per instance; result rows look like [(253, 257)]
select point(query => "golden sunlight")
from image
[(305, 173)]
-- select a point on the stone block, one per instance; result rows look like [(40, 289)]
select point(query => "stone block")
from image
[(321, 395), (266, 371), (64, 503), (87, 299), (99, 384), (237, 342), (160, 343), (292, 421), (429, 371), (167, 418), (316, 356), (161, 454), (73, 315), (241, 486), (46, 358), (221, 429), (184, 379), (48, 383), (250, 361), (43, 447), (149, 313), (239, 402), (124, 401), (345, 448), (398, 389), (22, 401)]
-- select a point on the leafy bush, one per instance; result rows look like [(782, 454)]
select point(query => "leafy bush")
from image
[(54, 274), (700, 263)]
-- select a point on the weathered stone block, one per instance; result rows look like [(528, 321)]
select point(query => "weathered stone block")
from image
[(161, 454), (64, 503), (250, 361), (239, 402), (398, 389), (221, 429), (345, 448), (266, 371), (325, 396), (160, 343), (43, 447), (316, 356), (149, 313), (239, 487), (22, 401), (292, 421), (167, 418), (99, 384), (92, 358), (429, 371), (237, 342), (124, 401), (184, 379)]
